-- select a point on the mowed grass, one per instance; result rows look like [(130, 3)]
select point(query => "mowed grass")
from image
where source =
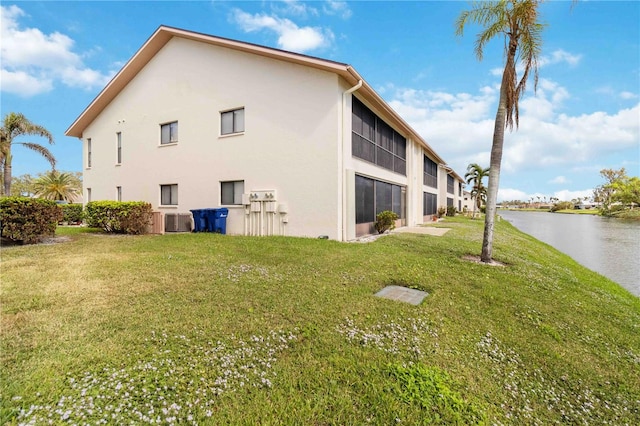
[(212, 329)]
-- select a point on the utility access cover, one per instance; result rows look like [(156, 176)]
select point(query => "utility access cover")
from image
[(402, 294)]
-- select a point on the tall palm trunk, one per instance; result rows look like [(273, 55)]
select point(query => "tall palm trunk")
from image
[(7, 174), (475, 202), (496, 153)]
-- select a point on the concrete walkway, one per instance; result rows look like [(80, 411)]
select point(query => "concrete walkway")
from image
[(425, 230)]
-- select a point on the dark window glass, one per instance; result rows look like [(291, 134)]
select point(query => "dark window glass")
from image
[(384, 136), (430, 172), (384, 158), (384, 197), (365, 207), (232, 121), (231, 192), (449, 202), (450, 184), (89, 152), (430, 206), (399, 145), (373, 197), (375, 141), (397, 200), (169, 133), (119, 148), (169, 195)]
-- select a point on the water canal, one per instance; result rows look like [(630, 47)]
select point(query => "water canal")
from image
[(608, 246)]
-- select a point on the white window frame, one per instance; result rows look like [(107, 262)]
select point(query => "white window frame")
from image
[(171, 194), (89, 153), (237, 116), (238, 190), (118, 148), (173, 139)]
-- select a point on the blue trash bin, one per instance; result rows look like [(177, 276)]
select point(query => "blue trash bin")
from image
[(219, 222), (209, 214), (199, 220)]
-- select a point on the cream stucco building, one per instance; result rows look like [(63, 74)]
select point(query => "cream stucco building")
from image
[(290, 144)]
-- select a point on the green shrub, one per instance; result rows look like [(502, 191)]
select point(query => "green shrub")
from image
[(385, 221), (72, 213), (442, 210), (562, 205), (451, 211), (28, 220), (121, 217)]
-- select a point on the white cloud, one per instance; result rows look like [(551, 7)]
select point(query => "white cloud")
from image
[(556, 57), (559, 56), (23, 84), (510, 194), (566, 195), (290, 36), (627, 95), (294, 8), (559, 180), (33, 61), (340, 8), (460, 127)]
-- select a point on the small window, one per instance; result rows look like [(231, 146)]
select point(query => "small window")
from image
[(89, 153), (88, 195), (231, 192), (169, 133), (232, 121), (169, 195), (119, 193), (119, 148)]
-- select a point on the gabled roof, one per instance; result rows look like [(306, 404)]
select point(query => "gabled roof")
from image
[(164, 33)]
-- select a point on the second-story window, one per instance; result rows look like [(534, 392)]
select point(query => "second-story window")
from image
[(169, 133), (119, 148), (232, 121), (89, 153)]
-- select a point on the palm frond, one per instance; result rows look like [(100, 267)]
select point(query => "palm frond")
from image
[(40, 150)]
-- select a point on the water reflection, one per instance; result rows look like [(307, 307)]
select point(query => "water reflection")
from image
[(608, 246)]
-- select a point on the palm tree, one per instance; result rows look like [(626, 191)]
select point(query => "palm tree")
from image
[(517, 22), (13, 126), (474, 176), (57, 186)]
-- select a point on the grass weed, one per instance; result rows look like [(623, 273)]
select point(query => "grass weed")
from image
[(212, 329)]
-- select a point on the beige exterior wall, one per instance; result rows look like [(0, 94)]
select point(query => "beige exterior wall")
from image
[(290, 143), (297, 142)]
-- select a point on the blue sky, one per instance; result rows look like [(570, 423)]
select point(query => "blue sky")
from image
[(585, 116)]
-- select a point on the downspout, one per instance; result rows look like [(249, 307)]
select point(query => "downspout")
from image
[(341, 157)]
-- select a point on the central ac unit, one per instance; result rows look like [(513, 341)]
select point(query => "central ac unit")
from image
[(177, 222)]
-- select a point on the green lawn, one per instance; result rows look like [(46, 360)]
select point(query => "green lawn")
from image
[(212, 329)]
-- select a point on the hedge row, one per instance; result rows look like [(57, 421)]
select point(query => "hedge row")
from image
[(122, 217), (28, 220), (72, 213)]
